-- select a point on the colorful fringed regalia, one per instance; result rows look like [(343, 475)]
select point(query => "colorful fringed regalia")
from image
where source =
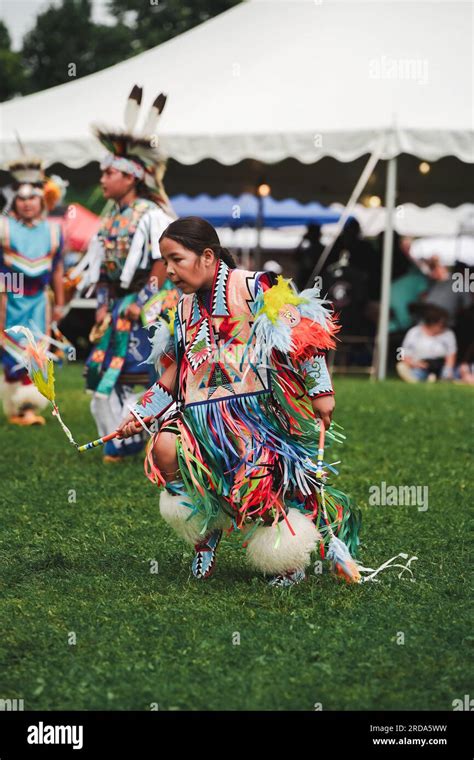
[(250, 358), (117, 269), (30, 253)]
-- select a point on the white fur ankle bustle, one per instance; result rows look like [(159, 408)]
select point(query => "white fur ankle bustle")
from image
[(174, 510), (16, 395), (292, 552), (30, 395), (176, 513)]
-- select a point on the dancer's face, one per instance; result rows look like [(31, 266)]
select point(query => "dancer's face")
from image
[(188, 270), (115, 184), (28, 208)]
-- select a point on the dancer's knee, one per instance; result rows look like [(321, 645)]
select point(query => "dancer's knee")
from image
[(164, 454)]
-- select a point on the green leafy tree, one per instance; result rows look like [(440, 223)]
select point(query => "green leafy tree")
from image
[(12, 76), (155, 21), (67, 44)]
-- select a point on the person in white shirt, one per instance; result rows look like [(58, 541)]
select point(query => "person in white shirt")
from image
[(428, 349)]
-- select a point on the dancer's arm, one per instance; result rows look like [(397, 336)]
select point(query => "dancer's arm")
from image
[(57, 273), (146, 237), (319, 387), (168, 383), (58, 290), (144, 241), (169, 379), (87, 271)]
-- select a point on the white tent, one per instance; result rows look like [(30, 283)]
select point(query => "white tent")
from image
[(432, 223), (271, 79), (410, 220), (447, 249)]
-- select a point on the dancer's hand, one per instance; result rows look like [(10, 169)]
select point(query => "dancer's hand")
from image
[(58, 313), (130, 426), (100, 314), (133, 312), (323, 408)]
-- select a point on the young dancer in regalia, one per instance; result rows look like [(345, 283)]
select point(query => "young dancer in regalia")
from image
[(30, 261), (123, 267), (237, 414)]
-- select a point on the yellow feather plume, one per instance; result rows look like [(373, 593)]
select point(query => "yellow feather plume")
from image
[(278, 296), (171, 316), (45, 386)]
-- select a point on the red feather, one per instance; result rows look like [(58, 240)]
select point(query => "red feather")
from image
[(309, 336)]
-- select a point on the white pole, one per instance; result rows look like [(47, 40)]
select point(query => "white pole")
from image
[(382, 335)]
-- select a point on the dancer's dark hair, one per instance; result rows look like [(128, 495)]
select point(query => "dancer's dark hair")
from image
[(196, 234)]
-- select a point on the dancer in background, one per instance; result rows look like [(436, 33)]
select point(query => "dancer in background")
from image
[(123, 265), (30, 262)]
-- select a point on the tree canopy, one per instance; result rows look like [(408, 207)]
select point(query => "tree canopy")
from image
[(66, 43)]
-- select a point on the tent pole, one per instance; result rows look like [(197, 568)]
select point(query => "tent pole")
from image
[(382, 336), (259, 227), (361, 183)]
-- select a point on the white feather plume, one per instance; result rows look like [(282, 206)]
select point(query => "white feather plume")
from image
[(132, 108), (154, 114)]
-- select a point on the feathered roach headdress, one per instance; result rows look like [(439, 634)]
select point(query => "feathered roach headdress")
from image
[(27, 170), (28, 178), (137, 152)]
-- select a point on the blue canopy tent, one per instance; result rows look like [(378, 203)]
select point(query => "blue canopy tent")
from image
[(243, 210)]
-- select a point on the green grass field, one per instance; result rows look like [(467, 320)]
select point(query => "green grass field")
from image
[(83, 568)]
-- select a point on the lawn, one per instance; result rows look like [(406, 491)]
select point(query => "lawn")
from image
[(86, 624)]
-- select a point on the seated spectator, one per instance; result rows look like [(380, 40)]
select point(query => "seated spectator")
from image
[(428, 349)]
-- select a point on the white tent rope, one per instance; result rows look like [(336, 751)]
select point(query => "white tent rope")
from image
[(361, 183)]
